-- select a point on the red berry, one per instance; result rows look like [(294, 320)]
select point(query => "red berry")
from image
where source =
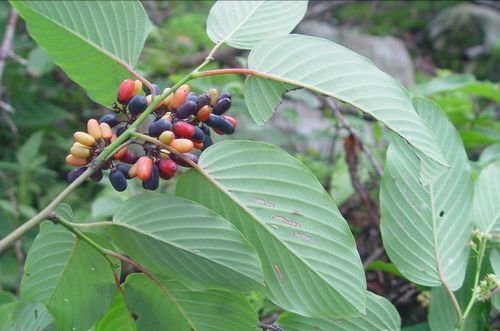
[(144, 168), (183, 130), (126, 91), (168, 168)]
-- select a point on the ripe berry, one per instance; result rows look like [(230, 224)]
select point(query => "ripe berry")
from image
[(137, 104), (214, 121), (219, 124), (96, 176), (75, 161), (111, 119), (183, 130), (157, 90), (158, 127), (84, 138), (203, 100), (120, 130), (79, 151), (167, 168), (222, 106), (180, 96), (74, 174), (198, 135), (153, 181), (144, 168), (106, 131), (182, 145), (204, 112), (124, 169), (129, 158), (118, 180), (183, 163), (186, 109), (231, 120), (207, 142), (126, 91), (93, 128), (225, 95), (192, 97), (166, 137), (121, 153)]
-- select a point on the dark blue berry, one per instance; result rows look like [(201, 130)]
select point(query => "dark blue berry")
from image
[(221, 106), (157, 90), (123, 168), (111, 119), (137, 104), (74, 174), (118, 180), (203, 100), (185, 110), (154, 181), (96, 176), (158, 127)]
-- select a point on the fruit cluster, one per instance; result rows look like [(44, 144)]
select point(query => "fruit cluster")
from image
[(182, 121)]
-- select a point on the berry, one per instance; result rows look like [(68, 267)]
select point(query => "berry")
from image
[(137, 104), (84, 138), (185, 110), (74, 174), (231, 120), (167, 168), (80, 151), (213, 96), (153, 181), (180, 96), (96, 176), (219, 124), (75, 161), (129, 158), (198, 135), (204, 112), (120, 130), (111, 119), (124, 169), (118, 180), (121, 153), (106, 131), (225, 95), (144, 168), (183, 130), (126, 91), (183, 163), (137, 87), (182, 145), (157, 90), (222, 106), (158, 127), (166, 137), (93, 128), (207, 142), (132, 173), (192, 97), (203, 100)]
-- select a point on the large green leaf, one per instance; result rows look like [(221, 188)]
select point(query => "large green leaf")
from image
[(495, 265), (308, 254), (89, 40), (330, 69), (425, 228), (173, 236), (242, 24), (118, 317), (380, 316), (25, 316), (70, 277), (183, 309), (487, 199), (418, 327)]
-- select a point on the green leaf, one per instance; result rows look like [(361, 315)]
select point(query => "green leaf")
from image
[(242, 24), (385, 267), (117, 318), (39, 62), (490, 154), (25, 316), (417, 327), (326, 68), (70, 277), (495, 264), (89, 40), (308, 254), (425, 228), (173, 236), (183, 309), (6, 297), (29, 150), (380, 316), (487, 199)]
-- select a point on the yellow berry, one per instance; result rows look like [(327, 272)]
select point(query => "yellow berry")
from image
[(106, 131), (137, 87), (213, 96), (79, 152), (93, 128), (182, 145), (75, 161), (166, 137), (84, 138)]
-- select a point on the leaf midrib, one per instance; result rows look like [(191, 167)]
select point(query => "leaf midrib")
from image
[(254, 217), (152, 236)]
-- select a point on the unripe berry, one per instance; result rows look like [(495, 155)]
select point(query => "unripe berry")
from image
[(75, 161), (111, 119), (198, 145), (187, 109), (166, 137), (106, 131), (137, 104), (180, 96), (144, 167), (158, 127), (213, 96), (84, 138), (93, 128), (183, 130), (75, 173), (167, 168), (137, 87), (126, 91), (167, 100), (79, 151), (182, 145), (222, 106), (153, 181), (132, 172), (204, 112), (121, 153), (118, 180)]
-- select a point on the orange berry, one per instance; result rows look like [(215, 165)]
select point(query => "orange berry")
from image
[(93, 128), (132, 172), (75, 161), (182, 145), (144, 167), (106, 131), (121, 153), (84, 138), (180, 96), (198, 145), (204, 113)]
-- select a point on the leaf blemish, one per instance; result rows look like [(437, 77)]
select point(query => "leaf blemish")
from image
[(264, 202), (441, 213), (302, 236), (296, 212), (278, 272), (287, 221)]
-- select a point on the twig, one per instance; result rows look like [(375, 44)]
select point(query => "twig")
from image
[(22, 61), (490, 295), (375, 255), (269, 327), (334, 107), (7, 40)]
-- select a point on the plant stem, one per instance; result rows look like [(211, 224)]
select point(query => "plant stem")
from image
[(477, 275)]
